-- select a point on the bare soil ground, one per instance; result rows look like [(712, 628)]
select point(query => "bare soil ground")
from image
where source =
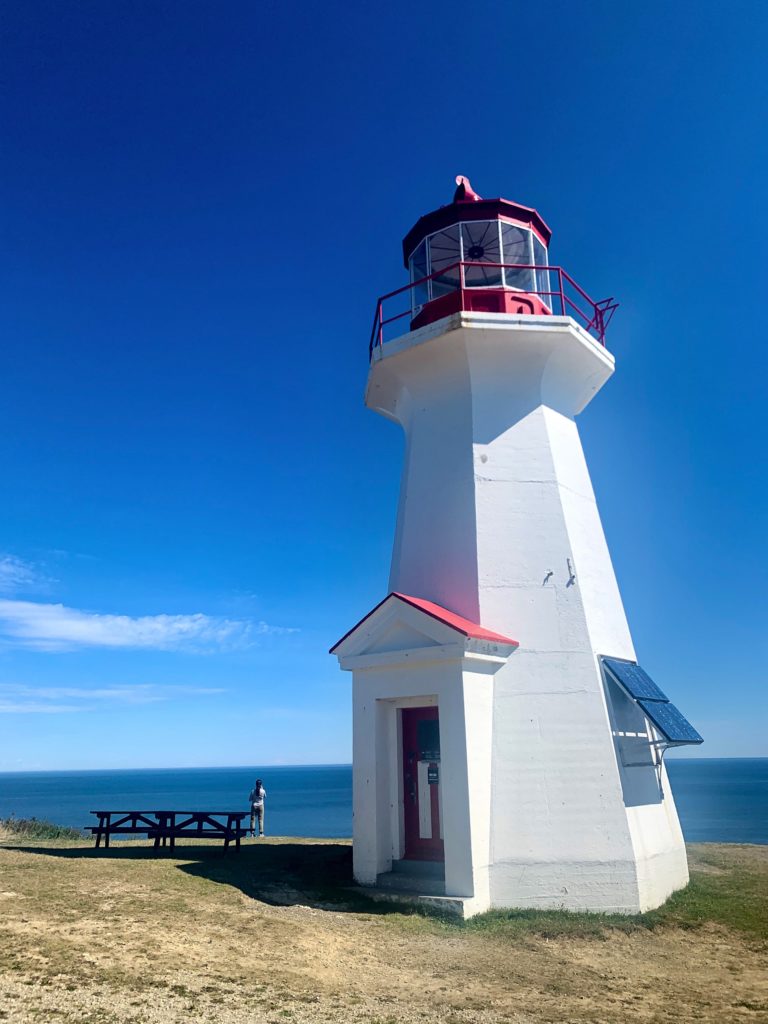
[(272, 934)]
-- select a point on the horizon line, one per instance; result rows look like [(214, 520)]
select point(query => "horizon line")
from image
[(253, 767), (178, 768)]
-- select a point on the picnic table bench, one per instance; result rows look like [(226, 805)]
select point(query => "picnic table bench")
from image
[(168, 826)]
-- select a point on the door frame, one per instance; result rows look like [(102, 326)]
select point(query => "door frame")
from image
[(434, 848), (395, 767)]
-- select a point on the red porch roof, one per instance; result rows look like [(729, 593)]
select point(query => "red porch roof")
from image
[(457, 622)]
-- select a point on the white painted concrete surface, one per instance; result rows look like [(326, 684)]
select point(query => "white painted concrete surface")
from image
[(440, 667), (497, 521)]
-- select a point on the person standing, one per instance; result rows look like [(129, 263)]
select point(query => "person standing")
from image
[(256, 799)]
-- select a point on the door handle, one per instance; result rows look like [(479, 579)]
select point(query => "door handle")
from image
[(411, 786)]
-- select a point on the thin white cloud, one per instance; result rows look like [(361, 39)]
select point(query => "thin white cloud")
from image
[(15, 574), (9, 707), (54, 627), (52, 700)]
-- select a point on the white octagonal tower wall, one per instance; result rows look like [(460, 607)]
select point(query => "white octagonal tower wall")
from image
[(498, 522)]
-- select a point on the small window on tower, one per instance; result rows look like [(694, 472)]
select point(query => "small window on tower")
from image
[(630, 728)]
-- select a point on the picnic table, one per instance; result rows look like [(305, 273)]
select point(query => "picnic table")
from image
[(168, 826)]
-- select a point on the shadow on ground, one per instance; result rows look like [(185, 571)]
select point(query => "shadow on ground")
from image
[(317, 875)]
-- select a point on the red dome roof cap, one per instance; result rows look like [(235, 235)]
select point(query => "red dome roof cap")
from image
[(464, 192), (468, 205)]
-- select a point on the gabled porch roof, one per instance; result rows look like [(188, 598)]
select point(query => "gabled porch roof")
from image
[(464, 626)]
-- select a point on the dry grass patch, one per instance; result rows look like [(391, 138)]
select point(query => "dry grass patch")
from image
[(273, 934)]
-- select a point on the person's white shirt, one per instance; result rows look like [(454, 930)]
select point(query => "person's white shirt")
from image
[(257, 801)]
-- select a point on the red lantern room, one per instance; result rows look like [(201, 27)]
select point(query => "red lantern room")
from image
[(492, 250), (484, 256)]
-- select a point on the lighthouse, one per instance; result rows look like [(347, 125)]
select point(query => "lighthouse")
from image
[(508, 749)]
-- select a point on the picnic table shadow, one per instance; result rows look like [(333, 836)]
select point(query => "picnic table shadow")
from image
[(316, 875)]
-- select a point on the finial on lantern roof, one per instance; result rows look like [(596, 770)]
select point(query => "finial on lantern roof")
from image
[(464, 192)]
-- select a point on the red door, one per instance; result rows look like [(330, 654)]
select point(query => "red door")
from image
[(421, 784)]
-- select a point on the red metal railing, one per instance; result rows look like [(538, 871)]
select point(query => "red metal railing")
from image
[(566, 299)]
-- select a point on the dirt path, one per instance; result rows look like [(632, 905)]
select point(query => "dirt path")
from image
[(113, 939)]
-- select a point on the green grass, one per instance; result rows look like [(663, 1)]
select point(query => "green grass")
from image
[(33, 828), (727, 888)]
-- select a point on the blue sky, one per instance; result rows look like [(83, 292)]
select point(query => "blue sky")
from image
[(200, 205)]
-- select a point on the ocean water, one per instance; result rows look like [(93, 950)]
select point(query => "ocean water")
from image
[(723, 801), (305, 801)]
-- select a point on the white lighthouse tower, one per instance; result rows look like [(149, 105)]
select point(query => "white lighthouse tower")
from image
[(508, 750)]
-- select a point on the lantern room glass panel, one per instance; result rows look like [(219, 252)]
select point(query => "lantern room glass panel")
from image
[(540, 258), (516, 248), (481, 244), (419, 270), (444, 252)]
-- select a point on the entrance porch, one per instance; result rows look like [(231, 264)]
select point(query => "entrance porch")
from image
[(423, 731)]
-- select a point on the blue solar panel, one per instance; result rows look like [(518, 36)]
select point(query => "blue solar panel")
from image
[(654, 703), (635, 680), (670, 722)]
